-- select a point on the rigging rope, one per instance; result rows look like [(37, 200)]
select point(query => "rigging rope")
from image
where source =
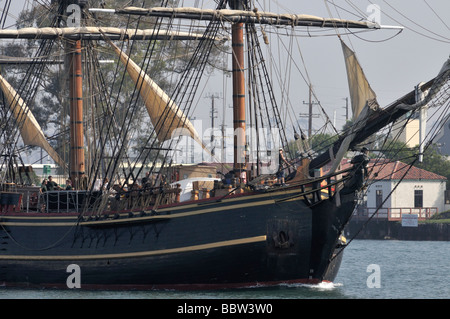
[(433, 132)]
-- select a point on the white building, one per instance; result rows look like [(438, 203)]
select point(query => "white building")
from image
[(420, 192)]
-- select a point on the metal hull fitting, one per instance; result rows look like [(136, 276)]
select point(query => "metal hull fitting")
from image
[(259, 239)]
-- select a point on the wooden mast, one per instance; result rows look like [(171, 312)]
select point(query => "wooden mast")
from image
[(237, 37), (77, 165), (77, 161)]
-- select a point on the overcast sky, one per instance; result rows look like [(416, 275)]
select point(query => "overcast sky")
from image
[(393, 63)]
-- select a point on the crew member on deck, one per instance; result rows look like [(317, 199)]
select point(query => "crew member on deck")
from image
[(281, 160), (52, 185), (68, 185), (43, 188), (146, 179), (360, 167), (105, 184)]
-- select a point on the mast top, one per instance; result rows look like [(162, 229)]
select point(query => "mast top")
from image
[(238, 4)]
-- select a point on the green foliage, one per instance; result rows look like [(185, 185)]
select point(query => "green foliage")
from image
[(436, 219), (318, 143), (442, 216), (433, 161), (322, 141), (397, 151)]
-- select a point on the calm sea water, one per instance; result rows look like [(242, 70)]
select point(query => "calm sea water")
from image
[(403, 270)]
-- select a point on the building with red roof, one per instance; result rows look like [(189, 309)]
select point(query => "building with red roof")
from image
[(420, 192)]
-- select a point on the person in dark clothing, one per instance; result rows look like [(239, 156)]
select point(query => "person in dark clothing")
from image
[(360, 167), (146, 179), (69, 185), (281, 160), (43, 186), (228, 178), (52, 185)]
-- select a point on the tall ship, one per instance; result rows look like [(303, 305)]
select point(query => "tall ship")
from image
[(127, 215)]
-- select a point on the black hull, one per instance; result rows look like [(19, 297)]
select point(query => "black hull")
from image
[(247, 240)]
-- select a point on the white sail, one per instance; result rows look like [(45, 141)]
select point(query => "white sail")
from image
[(30, 129), (167, 118)]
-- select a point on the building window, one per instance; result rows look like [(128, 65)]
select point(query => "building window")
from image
[(379, 198), (418, 198)]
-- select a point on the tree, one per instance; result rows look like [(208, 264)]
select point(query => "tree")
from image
[(320, 142), (397, 151), (154, 57), (435, 162)]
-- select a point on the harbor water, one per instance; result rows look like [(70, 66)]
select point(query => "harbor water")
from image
[(371, 269)]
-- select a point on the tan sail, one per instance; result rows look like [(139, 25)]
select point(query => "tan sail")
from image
[(360, 90), (363, 100), (30, 129), (167, 119)]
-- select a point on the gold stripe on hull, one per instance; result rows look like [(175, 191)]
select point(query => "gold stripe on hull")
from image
[(213, 201), (219, 244), (145, 218), (202, 210)]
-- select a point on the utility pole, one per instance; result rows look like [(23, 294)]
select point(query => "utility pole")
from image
[(192, 118), (310, 115), (213, 116), (223, 128), (346, 108)]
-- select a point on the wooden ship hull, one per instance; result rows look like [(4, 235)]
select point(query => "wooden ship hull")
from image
[(260, 238)]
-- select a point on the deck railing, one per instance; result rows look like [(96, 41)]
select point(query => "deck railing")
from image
[(394, 214)]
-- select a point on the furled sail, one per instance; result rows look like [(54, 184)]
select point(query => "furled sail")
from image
[(96, 33), (30, 129), (360, 90), (253, 16), (167, 118)]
